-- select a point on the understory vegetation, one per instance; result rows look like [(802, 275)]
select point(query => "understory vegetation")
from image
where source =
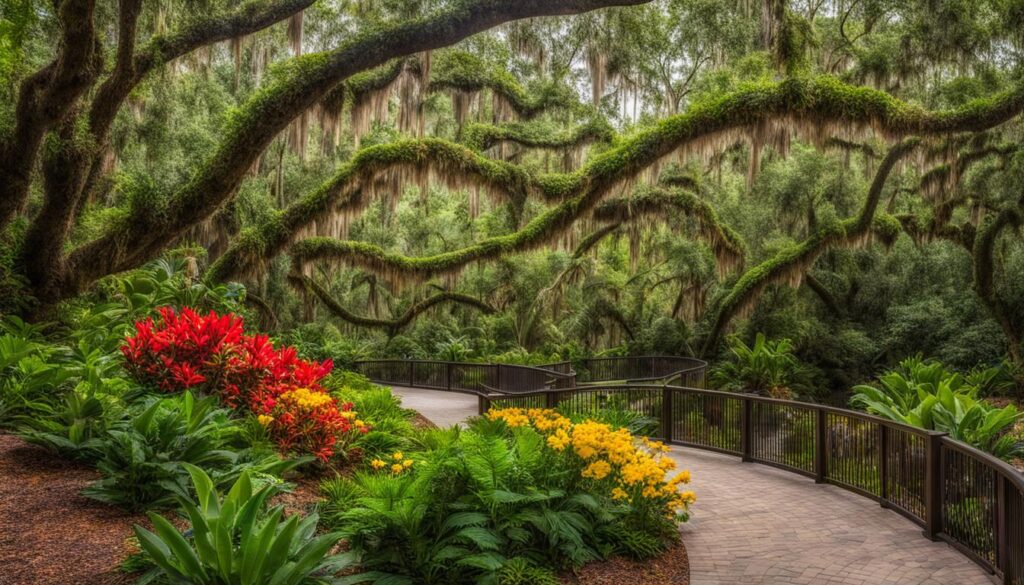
[(211, 210)]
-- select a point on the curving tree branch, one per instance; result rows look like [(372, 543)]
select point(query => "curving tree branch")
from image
[(530, 135), (792, 263), (811, 102), (539, 231), (301, 83), (393, 326), (1011, 218), (45, 98)]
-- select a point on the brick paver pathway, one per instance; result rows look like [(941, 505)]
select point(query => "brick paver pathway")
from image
[(756, 525)]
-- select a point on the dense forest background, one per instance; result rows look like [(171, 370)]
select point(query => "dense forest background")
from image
[(441, 205)]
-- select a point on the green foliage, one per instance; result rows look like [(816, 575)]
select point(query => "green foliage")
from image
[(927, 395), (766, 367), (144, 460), (234, 539), (77, 428), (485, 505)]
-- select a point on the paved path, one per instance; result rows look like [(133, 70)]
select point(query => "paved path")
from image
[(756, 525)]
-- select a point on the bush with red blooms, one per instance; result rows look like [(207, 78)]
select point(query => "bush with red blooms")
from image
[(212, 354)]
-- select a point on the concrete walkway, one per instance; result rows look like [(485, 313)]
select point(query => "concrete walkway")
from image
[(756, 525)]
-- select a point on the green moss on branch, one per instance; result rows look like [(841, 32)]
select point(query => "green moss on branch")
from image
[(814, 102)]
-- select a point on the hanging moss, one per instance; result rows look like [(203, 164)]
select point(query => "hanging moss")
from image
[(789, 265), (817, 107), (537, 135), (462, 72), (728, 246)]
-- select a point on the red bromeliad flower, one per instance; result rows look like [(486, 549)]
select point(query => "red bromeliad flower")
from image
[(212, 353)]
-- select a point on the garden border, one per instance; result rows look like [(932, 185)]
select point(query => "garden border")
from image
[(956, 493)]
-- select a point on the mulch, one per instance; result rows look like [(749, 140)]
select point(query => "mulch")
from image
[(49, 534), (670, 568), (421, 422)]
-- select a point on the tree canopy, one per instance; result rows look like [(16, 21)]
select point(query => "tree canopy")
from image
[(540, 176)]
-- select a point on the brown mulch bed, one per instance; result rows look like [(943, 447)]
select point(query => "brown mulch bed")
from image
[(671, 568), (49, 534), (421, 422)]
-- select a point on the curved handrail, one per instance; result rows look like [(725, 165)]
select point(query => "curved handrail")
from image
[(634, 370), (517, 379), (467, 377), (957, 493)]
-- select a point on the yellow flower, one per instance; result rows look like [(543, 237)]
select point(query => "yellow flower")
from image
[(377, 464), (597, 470), (619, 494), (407, 463), (398, 456), (265, 419), (681, 477), (306, 399), (397, 468), (360, 423)]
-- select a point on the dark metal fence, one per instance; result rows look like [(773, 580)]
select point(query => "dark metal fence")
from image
[(685, 371), (956, 493), (516, 379), (467, 377)]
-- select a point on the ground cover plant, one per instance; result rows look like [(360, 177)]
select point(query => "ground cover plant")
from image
[(520, 492)]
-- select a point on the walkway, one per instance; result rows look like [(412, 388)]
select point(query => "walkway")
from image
[(756, 525)]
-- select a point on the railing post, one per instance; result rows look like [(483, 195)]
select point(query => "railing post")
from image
[(448, 375), (412, 375), (497, 381), (483, 404), (551, 399), (666, 414), (883, 465), (1002, 518), (821, 447), (746, 427), (933, 485)]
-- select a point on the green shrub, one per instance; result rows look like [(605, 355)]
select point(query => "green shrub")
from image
[(767, 367), (143, 460), (925, 394), (233, 541), (76, 429), (491, 503), (520, 571)]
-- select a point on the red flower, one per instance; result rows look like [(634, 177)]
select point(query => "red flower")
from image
[(213, 354)]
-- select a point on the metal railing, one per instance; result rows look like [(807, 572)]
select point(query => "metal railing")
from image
[(516, 379), (690, 372), (956, 493), (468, 377)]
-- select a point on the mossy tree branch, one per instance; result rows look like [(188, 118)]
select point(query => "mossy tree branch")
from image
[(792, 263), (1008, 316), (301, 83), (531, 135), (815, 101), (537, 232), (392, 326)]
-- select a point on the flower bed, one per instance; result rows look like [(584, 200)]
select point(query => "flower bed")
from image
[(212, 354), (519, 496)]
